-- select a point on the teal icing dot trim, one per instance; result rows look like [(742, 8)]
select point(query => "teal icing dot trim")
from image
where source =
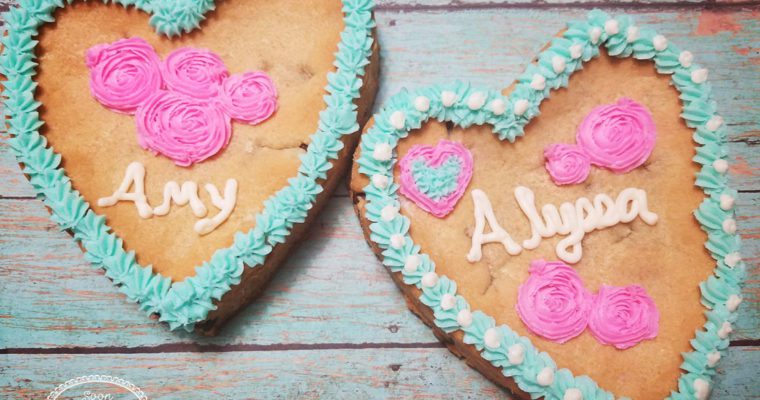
[(534, 371), (437, 182), (180, 304)]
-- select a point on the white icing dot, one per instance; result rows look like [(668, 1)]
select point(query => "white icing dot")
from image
[(422, 104), (448, 98), (595, 34), (699, 75), (611, 27), (388, 213), (492, 338), (660, 43), (545, 377), (632, 34), (725, 330), (521, 106), (714, 123), (576, 51), (573, 394), (685, 59), (448, 302), (380, 181), (729, 226), (398, 120), (516, 354), (733, 302), (382, 152), (720, 165), (726, 202), (498, 106), (731, 259), (538, 82), (476, 101), (411, 263), (701, 389), (464, 318), (430, 279), (397, 241), (713, 358), (558, 64)]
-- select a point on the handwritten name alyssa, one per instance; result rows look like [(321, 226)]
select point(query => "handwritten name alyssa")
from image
[(571, 220)]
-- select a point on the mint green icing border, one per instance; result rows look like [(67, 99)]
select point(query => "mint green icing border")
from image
[(180, 304), (698, 109)]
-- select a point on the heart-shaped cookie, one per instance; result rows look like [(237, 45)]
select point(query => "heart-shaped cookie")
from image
[(187, 164), (575, 266)]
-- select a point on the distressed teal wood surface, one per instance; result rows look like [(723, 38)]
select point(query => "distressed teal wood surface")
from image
[(332, 297)]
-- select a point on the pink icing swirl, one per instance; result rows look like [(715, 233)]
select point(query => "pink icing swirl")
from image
[(567, 164), (552, 302), (250, 97), (623, 316), (123, 74), (619, 137), (194, 72), (185, 129)]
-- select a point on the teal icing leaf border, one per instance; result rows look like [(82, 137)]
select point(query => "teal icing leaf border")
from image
[(534, 371), (180, 304)]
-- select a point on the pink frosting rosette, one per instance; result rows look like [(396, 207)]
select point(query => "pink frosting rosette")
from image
[(619, 137), (623, 316), (195, 72), (567, 164), (552, 302), (250, 97), (183, 128), (123, 74)]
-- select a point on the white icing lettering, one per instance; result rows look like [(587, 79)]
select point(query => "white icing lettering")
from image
[(135, 176), (483, 213)]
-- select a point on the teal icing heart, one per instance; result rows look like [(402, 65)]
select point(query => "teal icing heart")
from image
[(437, 182)]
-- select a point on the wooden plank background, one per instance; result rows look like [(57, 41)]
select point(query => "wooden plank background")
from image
[(318, 330)]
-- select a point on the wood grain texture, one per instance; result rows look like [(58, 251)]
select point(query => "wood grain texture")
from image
[(332, 324)]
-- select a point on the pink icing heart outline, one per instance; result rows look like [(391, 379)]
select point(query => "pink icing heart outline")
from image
[(435, 156)]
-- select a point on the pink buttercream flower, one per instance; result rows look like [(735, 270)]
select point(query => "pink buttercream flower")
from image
[(123, 74), (195, 72), (183, 128), (552, 302), (567, 164), (623, 316), (250, 97), (618, 136)]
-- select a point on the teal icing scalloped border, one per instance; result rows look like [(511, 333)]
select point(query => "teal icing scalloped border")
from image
[(180, 304), (535, 372)]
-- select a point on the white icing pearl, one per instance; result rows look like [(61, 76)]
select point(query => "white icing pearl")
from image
[(545, 377), (388, 213), (699, 75), (660, 43), (558, 64), (632, 34), (538, 82), (448, 302), (713, 358), (595, 34), (731, 259), (380, 181), (397, 240), (685, 59), (701, 389), (498, 106), (729, 226), (382, 152), (726, 202), (576, 51), (714, 123), (464, 318), (720, 165), (521, 106), (725, 330), (422, 104), (430, 279), (492, 338), (411, 263), (448, 98), (398, 120), (573, 394), (733, 302), (476, 101), (516, 354), (611, 27)]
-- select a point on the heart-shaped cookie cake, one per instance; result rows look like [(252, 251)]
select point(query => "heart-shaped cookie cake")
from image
[(187, 146), (573, 236)]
